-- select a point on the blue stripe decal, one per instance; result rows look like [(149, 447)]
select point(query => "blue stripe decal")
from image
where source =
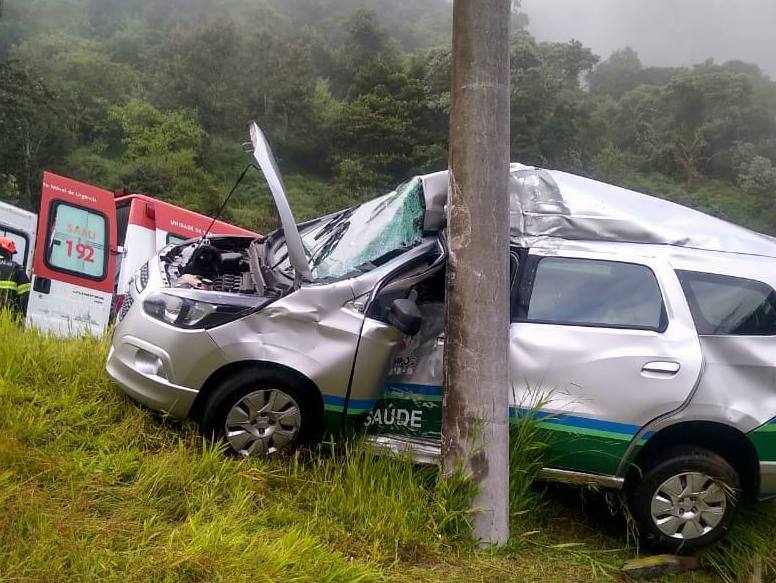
[(417, 389), (584, 422), (354, 403)]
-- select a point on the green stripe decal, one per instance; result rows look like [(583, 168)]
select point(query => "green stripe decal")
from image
[(764, 440), (582, 431)]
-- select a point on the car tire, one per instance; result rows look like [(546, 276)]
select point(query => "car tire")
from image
[(259, 412), (686, 500)]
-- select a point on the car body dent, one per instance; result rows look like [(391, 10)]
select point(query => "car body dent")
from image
[(365, 370)]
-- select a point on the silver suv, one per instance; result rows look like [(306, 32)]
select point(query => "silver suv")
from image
[(646, 330)]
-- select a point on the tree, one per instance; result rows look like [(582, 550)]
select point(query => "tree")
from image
[(85, 79), (617, 75), (199, 67), (149, 132), (31, 137)]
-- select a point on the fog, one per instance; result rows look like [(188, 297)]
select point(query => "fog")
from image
[(663, 32)]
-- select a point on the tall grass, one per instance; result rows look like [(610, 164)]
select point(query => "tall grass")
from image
[(95, 488)]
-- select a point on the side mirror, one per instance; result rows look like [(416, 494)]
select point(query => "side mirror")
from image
[(406, 316)]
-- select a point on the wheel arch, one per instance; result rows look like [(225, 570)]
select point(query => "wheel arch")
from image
[(217, 377), (727, 441)]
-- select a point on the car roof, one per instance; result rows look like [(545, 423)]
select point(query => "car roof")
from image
[(555, 204)]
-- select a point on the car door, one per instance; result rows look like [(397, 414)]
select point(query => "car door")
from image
[(599, 346), (75, 258)]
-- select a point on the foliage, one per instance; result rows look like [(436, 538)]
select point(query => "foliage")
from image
[(30, 137), (141, 93)]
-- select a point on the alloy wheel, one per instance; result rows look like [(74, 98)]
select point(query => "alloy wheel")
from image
[(689, 505), (262, 422)]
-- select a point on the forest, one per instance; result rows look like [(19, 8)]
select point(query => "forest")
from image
[(154, 96)]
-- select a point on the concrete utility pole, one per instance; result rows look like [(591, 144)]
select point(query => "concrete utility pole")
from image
[(475, 414)]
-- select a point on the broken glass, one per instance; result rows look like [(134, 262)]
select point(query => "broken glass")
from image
[(363, 237)]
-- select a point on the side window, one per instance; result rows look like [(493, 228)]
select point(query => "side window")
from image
[(21, 243), (175, 239), (589, 292), (724, 305), (77, 241)]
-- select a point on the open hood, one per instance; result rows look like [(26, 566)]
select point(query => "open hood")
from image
[(262, 153)]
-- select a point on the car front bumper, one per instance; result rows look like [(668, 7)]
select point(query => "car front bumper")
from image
[(161, 366)]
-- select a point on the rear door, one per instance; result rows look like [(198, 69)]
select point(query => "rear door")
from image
[(75, 258), (602, 345)]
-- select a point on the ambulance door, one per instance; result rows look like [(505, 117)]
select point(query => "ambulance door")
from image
[(139, 241), (74, 265)]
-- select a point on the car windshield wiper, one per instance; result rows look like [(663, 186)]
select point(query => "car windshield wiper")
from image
[(329, 244), (332, 224)]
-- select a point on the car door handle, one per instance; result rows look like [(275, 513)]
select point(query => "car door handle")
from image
[(661, 367)]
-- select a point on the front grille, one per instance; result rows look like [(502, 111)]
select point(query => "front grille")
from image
[(125, 306)]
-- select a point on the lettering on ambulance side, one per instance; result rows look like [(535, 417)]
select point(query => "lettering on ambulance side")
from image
[(187, 227)]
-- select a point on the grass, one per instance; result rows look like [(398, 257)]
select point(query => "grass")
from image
[(95, 488)]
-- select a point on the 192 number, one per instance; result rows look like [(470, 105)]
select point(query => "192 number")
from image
[(83, 251)]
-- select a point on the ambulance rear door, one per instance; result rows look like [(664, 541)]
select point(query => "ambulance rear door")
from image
[(74, 265)]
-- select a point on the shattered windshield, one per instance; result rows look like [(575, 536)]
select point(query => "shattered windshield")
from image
[(363, 237)]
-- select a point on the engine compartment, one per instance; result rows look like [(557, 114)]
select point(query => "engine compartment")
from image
[(221, 264)]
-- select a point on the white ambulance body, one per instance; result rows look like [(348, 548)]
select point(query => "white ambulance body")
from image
[(20, 226), (90, 243)]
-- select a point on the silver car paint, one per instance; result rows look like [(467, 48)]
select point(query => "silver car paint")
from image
[(597, 372), (157, 364), (313, 330)]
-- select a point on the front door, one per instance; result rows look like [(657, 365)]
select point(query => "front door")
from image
[(75, 258), (601, 346)]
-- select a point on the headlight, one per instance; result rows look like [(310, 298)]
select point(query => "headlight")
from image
[(187, 313), (141, 279)]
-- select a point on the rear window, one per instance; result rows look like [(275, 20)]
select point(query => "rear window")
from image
[(77, 241), (729, 306)]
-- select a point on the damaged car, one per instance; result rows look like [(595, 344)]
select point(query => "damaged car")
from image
[(648, 330)]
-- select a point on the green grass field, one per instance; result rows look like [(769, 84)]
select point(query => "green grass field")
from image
[(94, 488)]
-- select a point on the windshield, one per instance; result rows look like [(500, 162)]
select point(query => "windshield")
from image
[(360, 238)]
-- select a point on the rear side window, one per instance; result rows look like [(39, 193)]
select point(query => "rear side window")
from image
[(589, 292), (729, 306), (77, 241)]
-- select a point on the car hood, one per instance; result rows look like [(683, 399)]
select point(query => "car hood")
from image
[(262, 154)]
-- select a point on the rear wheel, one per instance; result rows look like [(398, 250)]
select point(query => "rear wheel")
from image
[(260, 413), (687, 499)]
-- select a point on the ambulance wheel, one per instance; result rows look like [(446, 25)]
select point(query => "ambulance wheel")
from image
[(260, 413), (686, 500)]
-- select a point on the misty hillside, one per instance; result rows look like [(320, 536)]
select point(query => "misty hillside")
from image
[(154, 96)]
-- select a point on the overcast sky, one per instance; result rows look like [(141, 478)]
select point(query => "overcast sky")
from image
[(664, 32)]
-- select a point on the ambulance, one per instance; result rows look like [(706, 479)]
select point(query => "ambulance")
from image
[(86, 244)]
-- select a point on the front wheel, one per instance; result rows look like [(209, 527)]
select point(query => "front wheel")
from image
[(686, 500), (259, 413)]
